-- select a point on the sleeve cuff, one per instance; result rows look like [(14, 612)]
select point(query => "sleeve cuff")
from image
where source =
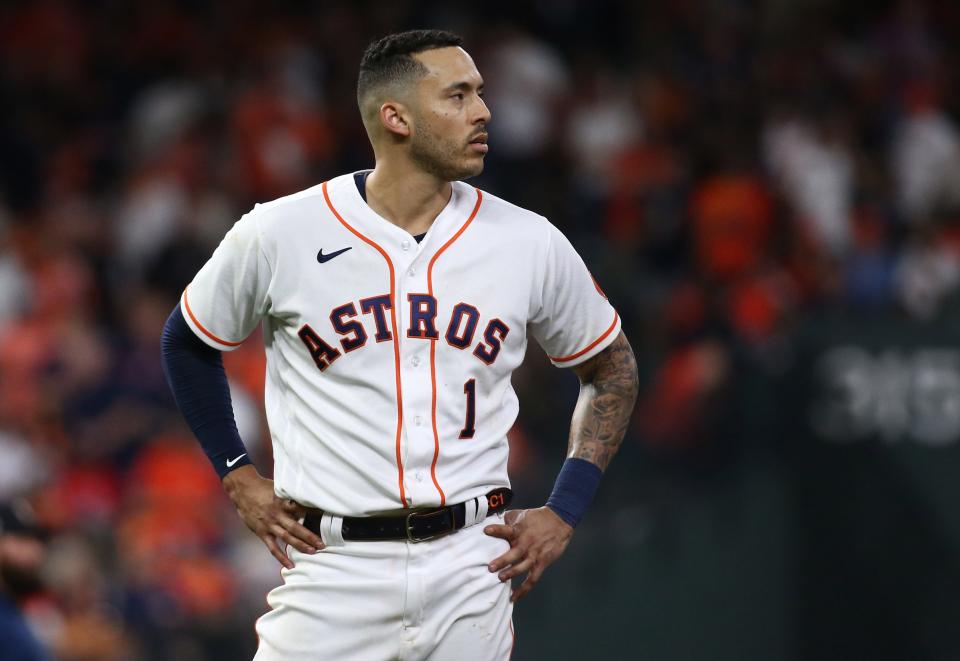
[(201, 331), (591, 349)]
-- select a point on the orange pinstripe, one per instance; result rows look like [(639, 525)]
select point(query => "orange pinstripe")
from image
[(433, 348), (591, 345), (396, 337)]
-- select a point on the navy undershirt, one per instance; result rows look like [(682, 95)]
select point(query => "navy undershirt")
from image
[(195, 374)]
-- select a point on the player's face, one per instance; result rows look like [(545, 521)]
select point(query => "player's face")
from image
[(449, 137)]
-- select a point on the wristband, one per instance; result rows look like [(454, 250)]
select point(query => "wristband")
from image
[(574, 489)]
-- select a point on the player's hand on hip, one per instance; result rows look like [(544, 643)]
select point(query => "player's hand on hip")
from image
[(272, 519), (537, 537)]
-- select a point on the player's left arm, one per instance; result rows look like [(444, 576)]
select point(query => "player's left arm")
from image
[(608, 392)]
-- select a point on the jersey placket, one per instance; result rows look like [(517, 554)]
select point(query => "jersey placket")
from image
[(418, 441)]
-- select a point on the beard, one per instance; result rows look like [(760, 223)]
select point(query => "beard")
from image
[(442, 157)]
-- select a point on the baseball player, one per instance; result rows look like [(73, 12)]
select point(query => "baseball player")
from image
[(396, 303)]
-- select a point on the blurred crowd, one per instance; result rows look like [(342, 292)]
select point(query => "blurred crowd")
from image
[(724, 167)]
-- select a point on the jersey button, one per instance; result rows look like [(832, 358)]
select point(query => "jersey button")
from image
[(419, 477), (405, 244), (417, 420), (411, 272), (415, 361)]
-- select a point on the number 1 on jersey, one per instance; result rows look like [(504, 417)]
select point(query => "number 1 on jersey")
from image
[(470, 390)]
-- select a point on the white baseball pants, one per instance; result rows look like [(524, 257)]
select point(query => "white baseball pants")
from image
[(392, 600)]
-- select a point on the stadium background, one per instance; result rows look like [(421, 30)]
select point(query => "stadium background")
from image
[(768, 191)]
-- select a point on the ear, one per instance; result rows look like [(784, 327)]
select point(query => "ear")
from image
[(395, 118)]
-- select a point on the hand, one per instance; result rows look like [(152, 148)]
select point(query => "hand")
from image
[(270, 518), (537, 537)]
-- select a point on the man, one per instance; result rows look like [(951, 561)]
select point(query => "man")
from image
[(21, 557), (395, 306)]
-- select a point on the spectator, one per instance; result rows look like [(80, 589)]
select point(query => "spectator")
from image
[(21, 556), (926, 155), (815, 169)]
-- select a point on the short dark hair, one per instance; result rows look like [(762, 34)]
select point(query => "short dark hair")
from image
[(388, 60)]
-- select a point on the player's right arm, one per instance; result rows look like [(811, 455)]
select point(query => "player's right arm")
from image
[(230, 288), (270, 518)]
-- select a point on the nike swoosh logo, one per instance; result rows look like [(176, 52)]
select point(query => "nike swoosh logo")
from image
[(231, 462), (326, 258)]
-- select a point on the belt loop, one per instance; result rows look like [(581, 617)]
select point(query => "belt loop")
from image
[(470, 513), (482, 506), (331, 530)]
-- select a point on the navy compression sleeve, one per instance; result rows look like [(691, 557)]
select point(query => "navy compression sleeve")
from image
[(196, 376)]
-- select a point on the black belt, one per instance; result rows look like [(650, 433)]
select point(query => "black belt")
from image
[(417, 526)]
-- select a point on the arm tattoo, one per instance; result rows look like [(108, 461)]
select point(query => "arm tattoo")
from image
[(608, 392)]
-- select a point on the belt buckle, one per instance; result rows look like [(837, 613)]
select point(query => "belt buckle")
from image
[(414, 538)]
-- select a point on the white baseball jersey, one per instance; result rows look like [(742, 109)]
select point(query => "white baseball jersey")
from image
[(388, 361)]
